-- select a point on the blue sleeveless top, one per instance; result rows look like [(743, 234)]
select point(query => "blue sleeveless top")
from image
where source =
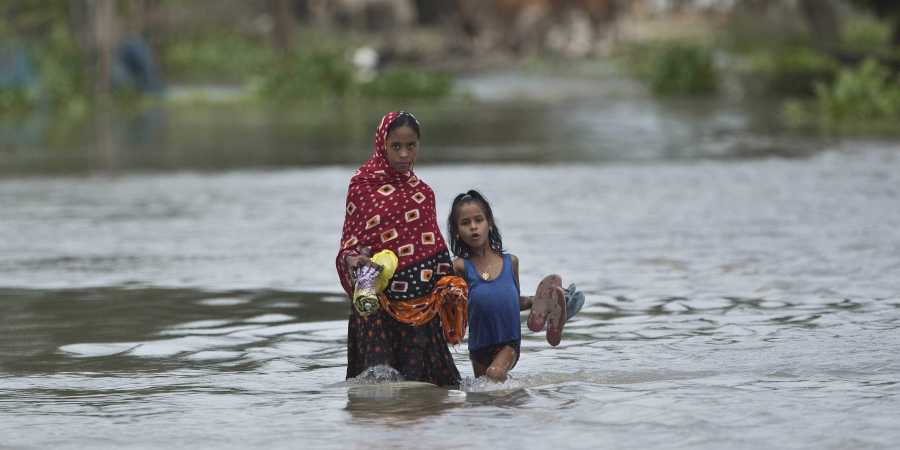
[(493, 307)]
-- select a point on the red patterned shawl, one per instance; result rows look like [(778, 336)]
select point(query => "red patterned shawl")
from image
[(391, 210)]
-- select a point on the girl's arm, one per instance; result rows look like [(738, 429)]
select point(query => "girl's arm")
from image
[(524, 302), (459, 267)]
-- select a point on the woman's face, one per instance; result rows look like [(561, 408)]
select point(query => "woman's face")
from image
[(401, 146)]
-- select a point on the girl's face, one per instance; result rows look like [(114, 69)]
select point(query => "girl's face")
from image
[(401, 146), (473, 225)]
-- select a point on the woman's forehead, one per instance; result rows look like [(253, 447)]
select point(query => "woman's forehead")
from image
[(402, 133)]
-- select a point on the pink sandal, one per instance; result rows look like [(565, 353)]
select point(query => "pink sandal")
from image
[(548, 308), (556, 319)]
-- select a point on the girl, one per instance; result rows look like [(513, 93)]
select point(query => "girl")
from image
[(493, 279)]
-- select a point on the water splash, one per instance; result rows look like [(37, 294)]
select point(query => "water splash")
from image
[(377, 375), (485, 384)]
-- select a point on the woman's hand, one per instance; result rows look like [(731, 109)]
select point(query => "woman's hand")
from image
[(355, 262), (360, 259)]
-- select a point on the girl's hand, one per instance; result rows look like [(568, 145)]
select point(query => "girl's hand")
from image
[(525, 302)]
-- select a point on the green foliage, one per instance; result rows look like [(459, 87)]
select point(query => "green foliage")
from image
[(306, 76), (399, 83), (675, 68), (16, 100), (57, 59), (865, 93), (865, 98), (31, 17), (62, 70), (201, 54), (790, 70), (61, 80), (319, 70), (864, 34), (216, 57), (323, 74)]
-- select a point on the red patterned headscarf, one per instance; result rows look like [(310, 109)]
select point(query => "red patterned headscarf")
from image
[(387, 209)]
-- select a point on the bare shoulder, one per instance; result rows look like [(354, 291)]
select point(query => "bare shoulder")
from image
[(515, 263), (459, 266)]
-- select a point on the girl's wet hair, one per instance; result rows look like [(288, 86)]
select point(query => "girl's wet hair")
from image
[(457, 246), (404, 119)]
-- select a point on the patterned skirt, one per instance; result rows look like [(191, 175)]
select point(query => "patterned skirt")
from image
[(418, 353)]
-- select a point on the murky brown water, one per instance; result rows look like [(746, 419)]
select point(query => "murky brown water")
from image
[(736, 297)]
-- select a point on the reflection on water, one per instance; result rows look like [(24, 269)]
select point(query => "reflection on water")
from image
[(398, 405), (112, 330), (516, 119)]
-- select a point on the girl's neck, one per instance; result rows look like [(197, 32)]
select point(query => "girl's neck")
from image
[(482, 252)]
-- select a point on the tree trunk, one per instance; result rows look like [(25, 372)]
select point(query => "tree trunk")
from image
[(823, 22), (434, 12), (284, 24), (103, 24), (895, 37)]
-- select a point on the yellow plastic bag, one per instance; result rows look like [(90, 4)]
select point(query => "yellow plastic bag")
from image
[(388, 262)]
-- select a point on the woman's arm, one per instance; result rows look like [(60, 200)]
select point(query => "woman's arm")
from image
[(524, 302)]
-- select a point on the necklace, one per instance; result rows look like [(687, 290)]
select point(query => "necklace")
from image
[(488, 262), (486, 273)]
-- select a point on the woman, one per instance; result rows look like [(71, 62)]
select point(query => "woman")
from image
[(388, 207)]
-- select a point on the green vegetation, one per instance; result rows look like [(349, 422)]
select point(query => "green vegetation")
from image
[(16, 100), (866, 34), (407, 83), (61, 79), (318, 72), (861, 99), (788, 70), (785, 60), (61, 82), (64, 62), (62, 72), (214, 57), (674, 68), (770, 54), (324, 74), (306, 76)]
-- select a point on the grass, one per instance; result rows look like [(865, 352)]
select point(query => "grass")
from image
[(860, 100)]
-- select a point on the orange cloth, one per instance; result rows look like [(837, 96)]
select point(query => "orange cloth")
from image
[(449, 299)]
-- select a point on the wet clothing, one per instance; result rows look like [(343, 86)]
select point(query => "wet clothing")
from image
[(485, 355), (447, 302), (419, 353), (493, 308), (386, 209)]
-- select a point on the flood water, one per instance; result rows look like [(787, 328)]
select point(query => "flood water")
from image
[(742, 282)]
